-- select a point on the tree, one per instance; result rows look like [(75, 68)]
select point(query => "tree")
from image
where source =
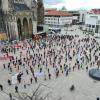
[(37, 94), (63, 8)]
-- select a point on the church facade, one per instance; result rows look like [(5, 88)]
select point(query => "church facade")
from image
[(18, 19)]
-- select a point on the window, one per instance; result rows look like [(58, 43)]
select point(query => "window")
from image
[(89, 25), (97, 27), (48, 18), (98, 22), (96, 17), (93, 26)]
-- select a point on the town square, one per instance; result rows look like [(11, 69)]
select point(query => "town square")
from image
[(42, 60)]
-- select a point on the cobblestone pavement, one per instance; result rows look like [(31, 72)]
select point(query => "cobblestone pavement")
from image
[(85, 87)]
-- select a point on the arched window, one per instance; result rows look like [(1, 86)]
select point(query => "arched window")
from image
[(19, 29)]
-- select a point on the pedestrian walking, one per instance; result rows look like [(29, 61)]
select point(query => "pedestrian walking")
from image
[(10, 96), (16, 89)]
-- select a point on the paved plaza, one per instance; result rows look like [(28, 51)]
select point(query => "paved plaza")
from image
[(73, 60)]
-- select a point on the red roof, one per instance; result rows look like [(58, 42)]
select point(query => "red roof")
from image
[(57, 13), (95, 11)]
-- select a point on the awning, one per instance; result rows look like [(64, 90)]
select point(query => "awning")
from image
[(39, 33), (54, 28)]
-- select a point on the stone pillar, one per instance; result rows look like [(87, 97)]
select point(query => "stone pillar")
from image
[(23, 35), (34, 27), (16, 31), (22, 30), (28, 34)]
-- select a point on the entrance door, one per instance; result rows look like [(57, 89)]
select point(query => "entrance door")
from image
[(25, 28), (19, 29)]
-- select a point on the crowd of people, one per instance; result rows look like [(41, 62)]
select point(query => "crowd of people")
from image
[(50, 57)]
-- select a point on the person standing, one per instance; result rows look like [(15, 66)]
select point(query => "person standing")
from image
[(1, 87), (4, 66), (9, 82), (31, 80), (97, 98), (16, 89), (49, 76), (35, 79), (10, 96)]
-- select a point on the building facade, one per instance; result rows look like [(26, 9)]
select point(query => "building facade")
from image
[(20, 18), (78, 16), (83, 14), (57, 19), (92, 21), (75, 16)]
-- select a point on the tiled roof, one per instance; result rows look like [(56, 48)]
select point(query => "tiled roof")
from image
[(20, 7), (95, 11), (57, 13)]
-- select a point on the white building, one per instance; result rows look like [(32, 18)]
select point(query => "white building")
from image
[(92, 22), (57, 19), (83, 14), (78, 16), (75, 16)]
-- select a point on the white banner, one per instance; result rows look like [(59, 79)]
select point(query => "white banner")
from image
[(14, 79)]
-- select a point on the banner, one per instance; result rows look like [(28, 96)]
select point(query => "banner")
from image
[(37, 74), (6, 58), (14, 79)]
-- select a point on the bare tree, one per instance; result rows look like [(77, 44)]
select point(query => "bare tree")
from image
[(37, 94)]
